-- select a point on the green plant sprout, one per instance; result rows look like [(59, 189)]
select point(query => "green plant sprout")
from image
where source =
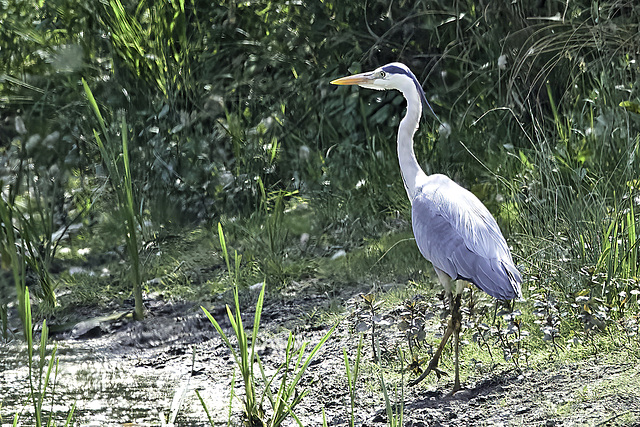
[(39, 378), (352, 378), (120, 178), (287, 397)]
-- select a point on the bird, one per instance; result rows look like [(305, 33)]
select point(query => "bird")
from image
[(453, 229)]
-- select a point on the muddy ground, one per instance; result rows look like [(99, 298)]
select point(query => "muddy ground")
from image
[(119, 372)]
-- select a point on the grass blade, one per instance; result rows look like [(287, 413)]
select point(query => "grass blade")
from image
[(221, 332), (223, 245), (204, 406), (94, 106)]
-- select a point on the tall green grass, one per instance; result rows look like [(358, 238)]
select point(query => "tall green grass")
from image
[(578, 205), (619, 244), (245, 354), (118, 166), (42, 374), (287, 395), (33, 199), (151, 41), (13, 257)]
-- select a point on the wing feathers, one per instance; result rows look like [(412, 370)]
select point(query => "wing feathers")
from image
[(456, 232)]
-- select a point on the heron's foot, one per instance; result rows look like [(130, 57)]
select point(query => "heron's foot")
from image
[(456, 387), (439, 373), (433, 367)]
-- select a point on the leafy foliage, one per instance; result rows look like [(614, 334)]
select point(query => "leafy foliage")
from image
[(287, 396), (121, 181), (234, 121)]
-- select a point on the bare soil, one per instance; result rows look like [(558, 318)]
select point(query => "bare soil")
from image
[(118, 371)]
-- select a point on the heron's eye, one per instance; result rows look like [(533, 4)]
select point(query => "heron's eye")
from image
[(383, 74)]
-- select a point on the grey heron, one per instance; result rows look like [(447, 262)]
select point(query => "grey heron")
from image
[(452, 228)]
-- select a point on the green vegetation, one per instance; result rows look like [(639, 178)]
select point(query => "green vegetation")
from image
[(221, 112), (120, 177), (287, 396), (352, 377), (42, 374), (395, 408)]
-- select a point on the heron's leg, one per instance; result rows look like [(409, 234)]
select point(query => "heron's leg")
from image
[(433, 364), (456, 320), (446, 282)]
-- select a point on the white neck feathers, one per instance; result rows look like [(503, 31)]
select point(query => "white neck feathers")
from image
[(412, 175)]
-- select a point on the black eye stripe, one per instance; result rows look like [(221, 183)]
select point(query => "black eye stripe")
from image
[(394, 69)]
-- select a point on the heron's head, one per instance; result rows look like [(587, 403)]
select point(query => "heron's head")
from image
[(391, 76)]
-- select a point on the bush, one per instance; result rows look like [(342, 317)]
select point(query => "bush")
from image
[(227, 99)]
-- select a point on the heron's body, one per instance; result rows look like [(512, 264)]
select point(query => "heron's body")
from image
[(460, 237), (452, 228)]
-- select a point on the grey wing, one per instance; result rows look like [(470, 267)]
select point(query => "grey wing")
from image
[(457, 233)]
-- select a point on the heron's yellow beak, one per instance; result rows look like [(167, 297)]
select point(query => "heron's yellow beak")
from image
[(356, 79)]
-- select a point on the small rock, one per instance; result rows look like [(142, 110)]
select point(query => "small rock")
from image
[(256, 287), (304, 240), (379, 418), (341, 253), (87, 329)]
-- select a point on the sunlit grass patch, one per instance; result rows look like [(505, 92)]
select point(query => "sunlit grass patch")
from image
[(390, 257), (623, 383)]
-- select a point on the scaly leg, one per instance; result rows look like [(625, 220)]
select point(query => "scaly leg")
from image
[(433, 364), (452, 328), (456, 319)]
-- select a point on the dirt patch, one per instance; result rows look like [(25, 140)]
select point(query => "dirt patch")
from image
[(141, 371)]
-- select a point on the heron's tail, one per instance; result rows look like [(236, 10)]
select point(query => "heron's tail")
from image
[(515, 279)]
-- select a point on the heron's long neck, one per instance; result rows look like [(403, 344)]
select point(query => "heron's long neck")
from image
[(412, 175)]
